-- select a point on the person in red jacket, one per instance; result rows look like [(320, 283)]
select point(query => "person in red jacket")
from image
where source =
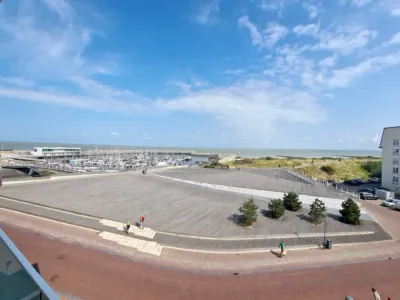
[(141, 221)]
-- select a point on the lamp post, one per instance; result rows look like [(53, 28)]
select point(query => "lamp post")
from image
[(325, 231)]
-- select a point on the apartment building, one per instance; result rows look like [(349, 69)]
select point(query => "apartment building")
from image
[(390, 158)]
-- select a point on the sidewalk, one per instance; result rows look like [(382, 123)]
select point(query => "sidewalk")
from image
[(204, 262)]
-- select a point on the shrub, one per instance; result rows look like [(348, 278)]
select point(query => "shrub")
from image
[(350, 212), (317, 211), (328, 169), (291, 201), (276, 208), (249, 211), (373, 167)]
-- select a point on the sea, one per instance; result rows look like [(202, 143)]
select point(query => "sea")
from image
[(242, 152)]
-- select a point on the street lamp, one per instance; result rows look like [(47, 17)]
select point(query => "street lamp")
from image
[(325, 230)]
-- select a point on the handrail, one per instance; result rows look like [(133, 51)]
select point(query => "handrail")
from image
[(40, 282)]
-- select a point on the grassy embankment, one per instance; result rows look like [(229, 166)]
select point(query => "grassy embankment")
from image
[(322, 168)]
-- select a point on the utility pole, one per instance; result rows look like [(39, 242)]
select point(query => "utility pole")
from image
[(325, 231)]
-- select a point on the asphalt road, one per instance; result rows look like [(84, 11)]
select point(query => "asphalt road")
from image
[(90, 274)]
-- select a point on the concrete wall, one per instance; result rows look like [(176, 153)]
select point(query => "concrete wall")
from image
[(387, 158)]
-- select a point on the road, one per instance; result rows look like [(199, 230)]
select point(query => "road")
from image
[(90, 274)]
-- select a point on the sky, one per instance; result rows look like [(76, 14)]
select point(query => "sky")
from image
[(206, 73)]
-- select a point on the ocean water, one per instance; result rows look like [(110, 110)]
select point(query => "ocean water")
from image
[(243, 152)]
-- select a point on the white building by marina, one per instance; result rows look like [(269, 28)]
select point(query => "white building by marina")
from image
[(55, 151), (390, 158)]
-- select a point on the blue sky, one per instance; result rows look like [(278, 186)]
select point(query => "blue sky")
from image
[(212, 73)]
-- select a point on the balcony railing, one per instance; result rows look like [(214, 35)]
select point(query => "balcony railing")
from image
[(18, 279)]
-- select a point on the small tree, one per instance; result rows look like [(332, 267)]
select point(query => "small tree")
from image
[(317, 211), (249, 210), (291, 201), (350, 212), (276, 208)]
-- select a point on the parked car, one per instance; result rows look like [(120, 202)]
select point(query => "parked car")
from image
[(368, 196), (374, 179), (390, 202), (371, 191), (397, 206), (353, 182)]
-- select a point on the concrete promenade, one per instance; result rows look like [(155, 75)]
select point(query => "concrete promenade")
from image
[(87, 274)]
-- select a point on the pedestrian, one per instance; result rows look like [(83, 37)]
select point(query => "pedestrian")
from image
[(376, 294), (282, 246), (127, 226), (141, 221)]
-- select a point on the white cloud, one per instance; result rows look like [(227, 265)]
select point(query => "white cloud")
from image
[(313, 11), (268, 37), (61, 7), (234, 71), (273, 33), (394, 40), (340, 141), (18, 81), (256, 37), (147, 136), (396, 12), (346, 40), (114, 133), (310, 29), (207, 12), (361, 3), (343, 77), (376, 138), (328, 62)]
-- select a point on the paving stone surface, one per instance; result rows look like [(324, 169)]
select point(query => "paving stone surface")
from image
[(262, 179)]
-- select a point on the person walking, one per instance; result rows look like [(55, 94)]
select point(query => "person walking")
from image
[(282, 246), (141, 221), (376, 294), (127, 226)]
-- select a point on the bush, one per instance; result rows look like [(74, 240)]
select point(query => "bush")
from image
[(317, 211), (276, 208), (291, 201), (249, 211), (328, 169), (350, 212), (374, 168)]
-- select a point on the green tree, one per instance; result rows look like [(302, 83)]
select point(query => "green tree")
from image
[(291, 201), (249, 210), (276, 208), (350, 212), (317, 211)]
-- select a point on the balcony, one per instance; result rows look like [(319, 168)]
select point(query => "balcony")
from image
[(18, 279)]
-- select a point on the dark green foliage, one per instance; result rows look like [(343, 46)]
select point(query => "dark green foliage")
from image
[(328, 169), (291, 201), (350, 212), (317, 211), (373, 167), (249, 210), (266, 158), (276, 208)]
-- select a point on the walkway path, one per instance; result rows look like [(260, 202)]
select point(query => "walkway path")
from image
[(89, 274)]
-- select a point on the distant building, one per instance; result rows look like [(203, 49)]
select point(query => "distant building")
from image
[(55, 151), (390, 158)]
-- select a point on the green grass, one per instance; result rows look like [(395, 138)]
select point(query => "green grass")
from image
[(343, 169)]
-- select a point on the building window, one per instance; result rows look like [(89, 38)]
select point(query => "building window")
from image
[(395, 161), (396, 152), (395, 142), (395, 180), (395, 170)]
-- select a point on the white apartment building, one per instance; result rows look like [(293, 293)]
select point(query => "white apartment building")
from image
[(55, 151), (390, 158)]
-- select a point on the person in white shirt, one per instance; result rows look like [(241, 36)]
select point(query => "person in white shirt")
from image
[(376, 294)]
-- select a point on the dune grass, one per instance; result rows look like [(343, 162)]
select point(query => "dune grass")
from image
[(342, 169)]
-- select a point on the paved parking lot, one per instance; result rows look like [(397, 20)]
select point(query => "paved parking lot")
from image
[(168, 206)]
